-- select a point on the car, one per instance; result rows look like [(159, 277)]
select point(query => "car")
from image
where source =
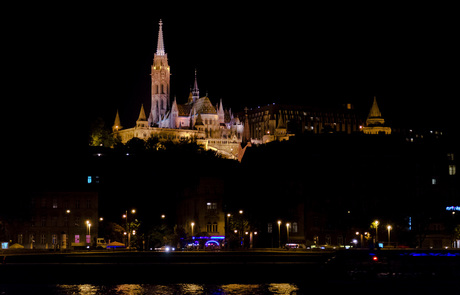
[(165, 249)]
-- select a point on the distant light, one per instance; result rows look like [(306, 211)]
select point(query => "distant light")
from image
[(375, 258), (453, 208), (355, 241)]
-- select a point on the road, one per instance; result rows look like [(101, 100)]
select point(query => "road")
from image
[(227, 267)]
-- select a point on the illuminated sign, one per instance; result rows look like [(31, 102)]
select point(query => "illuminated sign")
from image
[(453, 208)]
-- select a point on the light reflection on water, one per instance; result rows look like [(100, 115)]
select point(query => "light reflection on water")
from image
[(150, 289)]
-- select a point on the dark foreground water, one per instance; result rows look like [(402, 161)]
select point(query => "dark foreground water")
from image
[(336, 287), (150, 289)]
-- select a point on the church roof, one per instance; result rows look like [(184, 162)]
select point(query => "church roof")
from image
[(204, 106), (184, 109)]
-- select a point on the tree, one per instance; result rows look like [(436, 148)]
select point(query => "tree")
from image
[(99, 134)]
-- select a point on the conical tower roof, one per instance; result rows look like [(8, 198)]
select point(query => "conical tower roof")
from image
[(117, 124), (142, 116), (375, 116), (375, 111)]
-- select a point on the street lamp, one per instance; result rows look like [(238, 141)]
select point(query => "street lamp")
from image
[(88, 227), (287, 230), (279, 233), (68, 228), (376, 225), (192, 224), (389, 229), (127, 228)]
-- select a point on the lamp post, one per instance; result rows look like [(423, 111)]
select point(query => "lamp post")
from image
[(127, 228), (88, 228), (287, 231), (68, 228), (389, 229), (279, 233), (192, 224), (376, 225)]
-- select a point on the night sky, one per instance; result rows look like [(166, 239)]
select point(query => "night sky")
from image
[(72, 64)]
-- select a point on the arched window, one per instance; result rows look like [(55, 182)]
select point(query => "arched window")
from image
[(162, 89), (214, 227), (156, 89)]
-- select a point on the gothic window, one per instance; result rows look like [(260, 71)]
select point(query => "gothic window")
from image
[(162, 89), (156, 89)]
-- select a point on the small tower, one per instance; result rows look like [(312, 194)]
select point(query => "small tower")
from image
[(142, 120), (375, 122), (195, 90), (116, 125)]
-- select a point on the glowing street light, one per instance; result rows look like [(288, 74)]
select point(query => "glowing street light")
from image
[(192, 224), (376, 225), (389, 229), (287, 230), (279, 233)]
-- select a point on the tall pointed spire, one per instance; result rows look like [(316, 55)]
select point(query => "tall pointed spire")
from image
[(160, 44), (195, 90)]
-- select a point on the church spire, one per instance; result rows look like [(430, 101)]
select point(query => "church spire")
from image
[(160, 44), (195, 90)]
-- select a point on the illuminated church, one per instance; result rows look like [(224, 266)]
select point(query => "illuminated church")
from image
[(198, 119)]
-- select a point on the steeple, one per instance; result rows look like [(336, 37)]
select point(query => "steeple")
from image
[(160, 43), (142, 120), (160, 73), (375, 116), (195, 90), (142, 116), (117, 124)]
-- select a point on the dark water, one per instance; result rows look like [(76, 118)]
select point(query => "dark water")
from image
[(152, 289)]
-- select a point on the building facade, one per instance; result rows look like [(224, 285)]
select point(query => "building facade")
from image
[(57, 220), (278, 121), (200, 212), (198, 119)]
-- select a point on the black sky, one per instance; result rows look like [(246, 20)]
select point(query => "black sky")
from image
[(71, 64)]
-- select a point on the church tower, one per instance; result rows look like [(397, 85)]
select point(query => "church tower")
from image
[(375, 123), (160, 81)]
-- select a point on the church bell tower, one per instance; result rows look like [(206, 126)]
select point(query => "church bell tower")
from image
[(160, 74)]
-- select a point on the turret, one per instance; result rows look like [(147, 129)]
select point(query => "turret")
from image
[(116, 125)]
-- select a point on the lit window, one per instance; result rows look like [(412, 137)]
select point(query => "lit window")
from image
[(211, 206), (450, 156), (88, 239), (452, 170), (434, 181), (77, 239), (90, 179)]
